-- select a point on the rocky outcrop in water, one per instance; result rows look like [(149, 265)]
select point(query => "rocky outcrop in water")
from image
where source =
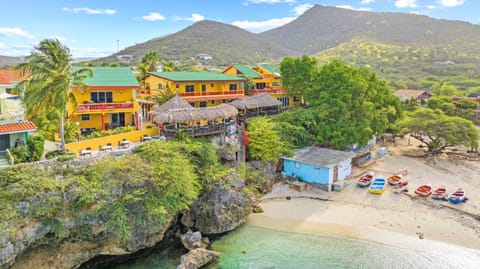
[(197, 258), (192, 240), (219, 210)]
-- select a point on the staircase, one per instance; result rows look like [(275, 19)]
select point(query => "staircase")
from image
[(3, 160)]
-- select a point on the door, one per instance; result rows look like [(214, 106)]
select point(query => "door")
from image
[(335, 173), (117, 120), (4, 142)]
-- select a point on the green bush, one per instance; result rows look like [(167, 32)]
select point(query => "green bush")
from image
[(66, 157), (35, 147), (20, 154)]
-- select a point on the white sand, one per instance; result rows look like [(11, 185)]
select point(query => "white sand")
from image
[(357, 213)]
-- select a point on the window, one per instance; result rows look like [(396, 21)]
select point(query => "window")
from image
[(297, 165), (233, 87), (85, 116), (160, 85), (189, 88), (204, 88), (101, 97), (213, 102), (177, 86), (285, 101), (203, 104), (296, 99), (260, 86), (211, 85)]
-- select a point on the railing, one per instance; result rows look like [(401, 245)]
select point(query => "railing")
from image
[(10, 118), (196, 131), (100, 107), (241, 92), (267, 90)]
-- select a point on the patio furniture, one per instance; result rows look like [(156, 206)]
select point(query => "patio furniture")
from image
[(106, 148), (85, 152), (125, 143), (146, 138)]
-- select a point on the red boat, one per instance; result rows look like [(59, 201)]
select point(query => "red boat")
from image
[(424, 190), (439, 193), (365, 180), (400, 187), (394, 180)]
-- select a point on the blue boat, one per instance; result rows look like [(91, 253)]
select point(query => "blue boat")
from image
[(378, 185), (457, 196)]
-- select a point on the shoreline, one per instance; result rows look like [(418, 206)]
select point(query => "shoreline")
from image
[(341, 219)]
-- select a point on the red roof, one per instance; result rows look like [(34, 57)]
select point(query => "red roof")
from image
[(8, 76), (10, 128)]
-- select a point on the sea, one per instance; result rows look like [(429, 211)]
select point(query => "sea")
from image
[(258, 247)]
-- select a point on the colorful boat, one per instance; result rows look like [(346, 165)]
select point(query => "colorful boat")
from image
[(457, 196), (365, 180), (394, 179), (439, 193), (378, 185), (401, 187), (424, 190)]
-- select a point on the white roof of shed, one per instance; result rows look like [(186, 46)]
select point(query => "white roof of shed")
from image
[(321, 156)]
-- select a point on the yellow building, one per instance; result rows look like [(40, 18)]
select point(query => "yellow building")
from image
[(266, 79), (107, 102), (200, 89)]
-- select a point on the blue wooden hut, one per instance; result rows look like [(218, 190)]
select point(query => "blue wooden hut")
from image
[(319, 165)]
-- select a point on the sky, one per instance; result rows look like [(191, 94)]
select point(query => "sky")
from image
[(95, 28)]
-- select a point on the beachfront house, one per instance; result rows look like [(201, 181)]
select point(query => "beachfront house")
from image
[(319, 165), (108, 100)]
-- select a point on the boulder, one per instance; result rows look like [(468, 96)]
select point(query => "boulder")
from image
[(219, 210), (192, 240), (197, 258)]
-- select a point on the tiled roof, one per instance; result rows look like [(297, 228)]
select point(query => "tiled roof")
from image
[(407, 94), (196, 76), (10, 128), (8, 77), (111, 77), (271, 69), (247, 71)]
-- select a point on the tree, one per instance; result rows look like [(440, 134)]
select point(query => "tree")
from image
[(351, 105), (445, 89), (264, 141), (298, 74), (169, 67), (437, 130), (49, 82), (151, 60)]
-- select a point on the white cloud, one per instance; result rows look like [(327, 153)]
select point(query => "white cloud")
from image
[(195, 17), (259, 26), (90, 10), (14, 51), (15, 32), (300, 9), (90, 52), (352, 8), (59, 38), (270, 1), (451, 3), (153, 16), (406, 3), (431, 7), (366, 2)]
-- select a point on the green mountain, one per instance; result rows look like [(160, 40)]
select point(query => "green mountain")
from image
[(9, 61)]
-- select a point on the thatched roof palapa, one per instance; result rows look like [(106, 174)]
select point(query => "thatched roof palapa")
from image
[(174, 103), (183, 115), (256, 101)]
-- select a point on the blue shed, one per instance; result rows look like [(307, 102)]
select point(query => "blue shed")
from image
[(319, 165)]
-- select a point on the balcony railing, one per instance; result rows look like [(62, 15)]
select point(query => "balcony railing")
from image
[(104, 107), (210, 93), (11, 118), (267, 90)]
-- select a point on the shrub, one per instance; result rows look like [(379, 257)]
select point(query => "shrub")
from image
[(35, 147), (20, 154)]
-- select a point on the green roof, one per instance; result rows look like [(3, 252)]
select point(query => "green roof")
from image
[(271, 69), (111, 76), (196, 76), (247, 71)]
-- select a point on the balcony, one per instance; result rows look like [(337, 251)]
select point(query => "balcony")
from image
[(275, 90), (104, 107), (207, 96)]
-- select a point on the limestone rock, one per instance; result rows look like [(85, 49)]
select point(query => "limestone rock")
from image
[(192, 240), (197, 258)]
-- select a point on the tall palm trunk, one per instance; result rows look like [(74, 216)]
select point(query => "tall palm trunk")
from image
[(62, 133)]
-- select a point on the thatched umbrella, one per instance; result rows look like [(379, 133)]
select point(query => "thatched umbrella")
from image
[(255, 102), (185, 115), (174, 103)]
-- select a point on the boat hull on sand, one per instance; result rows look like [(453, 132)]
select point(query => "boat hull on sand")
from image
[(377, 186), (457, 197)]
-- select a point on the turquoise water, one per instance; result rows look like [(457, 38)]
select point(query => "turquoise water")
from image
[(253, 247)]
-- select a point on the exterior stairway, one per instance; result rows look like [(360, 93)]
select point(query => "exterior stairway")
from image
[(3, 160)]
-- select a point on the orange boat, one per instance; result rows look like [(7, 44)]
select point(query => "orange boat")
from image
[(394, 179), (424, 190)]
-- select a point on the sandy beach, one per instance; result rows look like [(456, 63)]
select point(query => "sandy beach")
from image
[(389, 218)]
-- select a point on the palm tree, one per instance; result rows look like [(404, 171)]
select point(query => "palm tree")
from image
[(151, 61), (49, 82)]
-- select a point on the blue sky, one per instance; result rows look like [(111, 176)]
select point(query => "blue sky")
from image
[(93, 28)]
